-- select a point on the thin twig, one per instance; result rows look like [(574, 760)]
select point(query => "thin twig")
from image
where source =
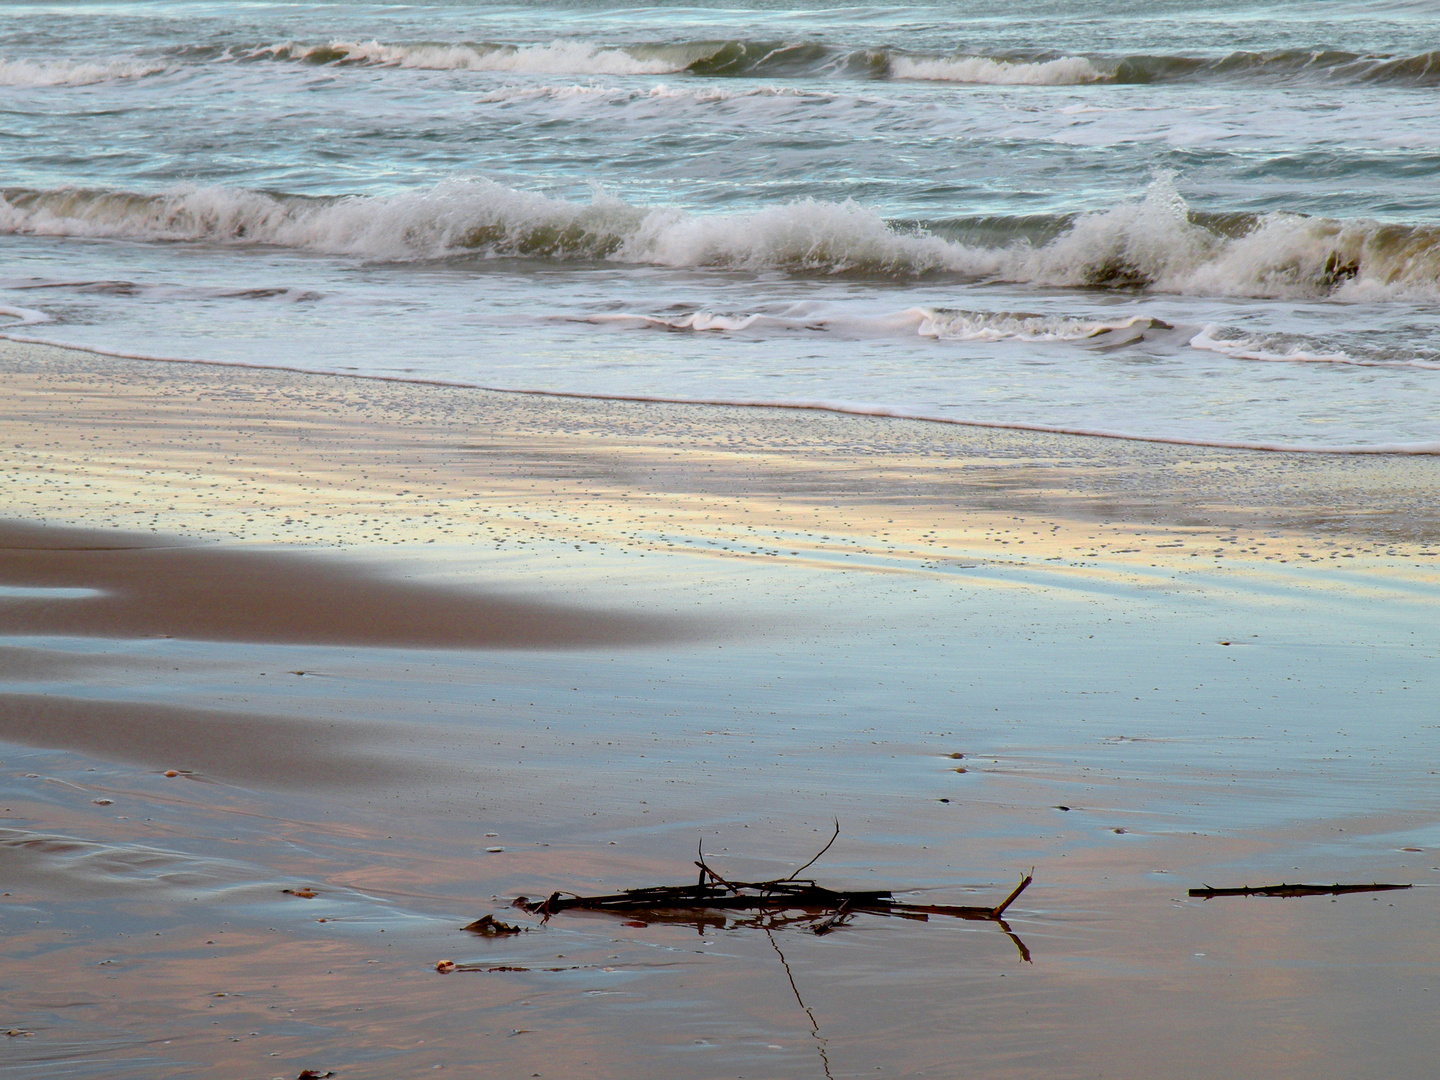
[(822, 851), (706, 869), (841, 914)]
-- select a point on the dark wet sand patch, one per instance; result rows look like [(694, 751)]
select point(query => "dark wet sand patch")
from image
[(151, 586), (246, 748)]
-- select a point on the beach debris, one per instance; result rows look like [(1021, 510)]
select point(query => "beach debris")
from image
[(311, 1074), (828, 909), (444, 967), (172, 773), (490, 926), (18, 1033), (305, 893), (1294, 890)]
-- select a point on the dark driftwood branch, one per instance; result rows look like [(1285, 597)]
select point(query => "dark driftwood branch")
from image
[(779, 895), (1294, 890)]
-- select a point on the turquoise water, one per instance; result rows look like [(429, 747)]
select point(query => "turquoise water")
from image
[(1212, 224)]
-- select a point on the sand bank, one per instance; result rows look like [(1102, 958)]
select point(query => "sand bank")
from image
[(201, 450)]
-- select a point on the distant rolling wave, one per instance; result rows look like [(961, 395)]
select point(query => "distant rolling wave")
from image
[(779, 59), (740, 58)]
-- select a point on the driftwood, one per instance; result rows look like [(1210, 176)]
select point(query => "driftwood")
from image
[(1294, 890), (781, 895), (788, 894)]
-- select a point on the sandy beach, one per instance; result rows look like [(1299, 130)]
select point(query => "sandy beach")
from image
[(304, 673)]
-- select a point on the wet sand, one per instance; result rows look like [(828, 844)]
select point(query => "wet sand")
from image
[(139, 586), (376, 630)]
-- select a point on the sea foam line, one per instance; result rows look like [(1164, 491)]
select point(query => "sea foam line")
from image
[(796, 405), (1249, 348)]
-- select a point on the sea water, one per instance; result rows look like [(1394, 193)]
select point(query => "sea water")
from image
[(1213, 222)]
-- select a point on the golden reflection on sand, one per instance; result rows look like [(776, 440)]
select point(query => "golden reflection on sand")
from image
[(316, 460)]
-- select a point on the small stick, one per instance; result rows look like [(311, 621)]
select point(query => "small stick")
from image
[(841, 914), (822, 851), (705, 868), (1294, 890), (1024, 883)]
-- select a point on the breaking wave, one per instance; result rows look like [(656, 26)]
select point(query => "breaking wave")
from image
[(554, 58), (1154, 242), (31, 73), (1287, 349), (1066, 71), (742, 58), (779, 58)]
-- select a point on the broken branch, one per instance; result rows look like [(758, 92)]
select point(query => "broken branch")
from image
[(1294, 890)]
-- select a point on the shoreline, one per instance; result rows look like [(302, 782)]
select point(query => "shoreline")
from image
[(1403, 449), (298, 443)]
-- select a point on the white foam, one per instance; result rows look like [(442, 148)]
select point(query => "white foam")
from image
[(721, 93), (24, 316), (698, 321), (1145, 243), (699, 94), (947, 325), (39, 73), (555, 58), (1253, 348), (1066, 71), (549, 93), (940, 324), (482, 216)]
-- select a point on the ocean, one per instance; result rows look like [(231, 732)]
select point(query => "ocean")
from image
[(1212, 223)]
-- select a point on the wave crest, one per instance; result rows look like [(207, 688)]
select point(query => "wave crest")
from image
[(38, 73), (1154, 242), (554, 58), (1066, 71)]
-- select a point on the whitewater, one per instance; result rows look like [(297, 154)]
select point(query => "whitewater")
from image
[(1216, 226)]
